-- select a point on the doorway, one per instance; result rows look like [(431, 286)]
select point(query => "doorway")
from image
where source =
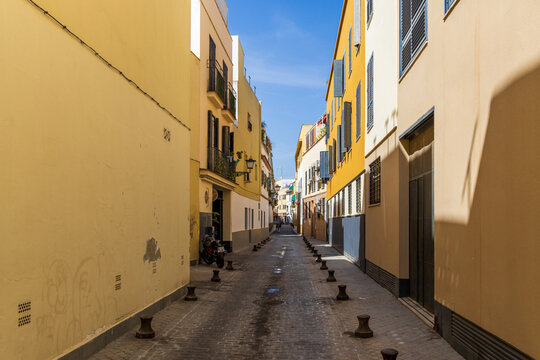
[(421, 222), (217, 215)]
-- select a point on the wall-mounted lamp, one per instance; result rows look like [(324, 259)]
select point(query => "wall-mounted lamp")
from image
[(250, 163)]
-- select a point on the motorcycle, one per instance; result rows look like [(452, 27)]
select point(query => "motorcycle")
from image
[(213, 251)]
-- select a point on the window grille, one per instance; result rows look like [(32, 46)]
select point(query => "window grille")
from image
[(349, 203), (375, 182), (358, 195), (342, 202)]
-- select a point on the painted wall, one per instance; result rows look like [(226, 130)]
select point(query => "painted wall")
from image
[(353, 163), (486, 160), (88, 178)]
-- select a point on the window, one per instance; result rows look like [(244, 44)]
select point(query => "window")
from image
[(252, 218), (323, 206), (369, 5), (448, 4), (358, 195), (358, 111), (357, 23), (250, 126), (375, 182), (370, 115), (342, 192), (350, 51), (413, 30), (349, 203), (246, 219)]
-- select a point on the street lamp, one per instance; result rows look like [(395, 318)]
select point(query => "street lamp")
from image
[(250, 163)]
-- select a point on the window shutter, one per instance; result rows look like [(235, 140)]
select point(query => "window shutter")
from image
[(338, 78), (325, 173), (357, 22), (340, 144), (350, 50), (348, 114), (370, 117), (413, 29), (358, 110), (327, 128), (210, 129), (334, 157), (231, 142), (225, 140), (330, 159), (216, 132)]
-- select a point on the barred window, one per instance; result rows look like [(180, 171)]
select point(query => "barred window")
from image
[(342, 202), (413, 31), (375, 182), (349, 203), (358, 195)]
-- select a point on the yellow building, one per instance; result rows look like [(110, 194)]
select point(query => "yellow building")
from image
[(346, 135), (468, 128), (94, 140), (251, 213), (212, 174)]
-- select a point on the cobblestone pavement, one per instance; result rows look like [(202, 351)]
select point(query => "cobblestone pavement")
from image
[(277, 304)]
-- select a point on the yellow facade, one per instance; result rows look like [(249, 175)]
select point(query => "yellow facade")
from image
[(353, 160), (93, 169), (247, 137)]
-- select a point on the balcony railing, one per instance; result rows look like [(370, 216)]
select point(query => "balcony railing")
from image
[(232, 101), (220, 164), (215, 80)]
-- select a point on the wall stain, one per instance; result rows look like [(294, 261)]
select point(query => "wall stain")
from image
[(153, 253)]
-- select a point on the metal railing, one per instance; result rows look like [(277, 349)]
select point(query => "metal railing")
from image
[(216, 82), (221, 164), (231, 106)]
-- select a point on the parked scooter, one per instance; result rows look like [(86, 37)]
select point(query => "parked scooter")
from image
[(213, 251)]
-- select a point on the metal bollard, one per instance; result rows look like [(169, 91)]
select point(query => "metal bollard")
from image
[(363, 330), (216, 278), (190, 294), (145, 331), (315, 252), (342, 295), (254, 247), (389, 354), (229, 265), (331, 277), (318, 258), (323, 265)]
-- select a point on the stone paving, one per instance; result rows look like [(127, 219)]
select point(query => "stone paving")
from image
[(276, 304)]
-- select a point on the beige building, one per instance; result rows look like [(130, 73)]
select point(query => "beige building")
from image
[(94, 152), (453, 184)]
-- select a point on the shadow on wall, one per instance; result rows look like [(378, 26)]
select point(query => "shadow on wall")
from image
[(490, 264)]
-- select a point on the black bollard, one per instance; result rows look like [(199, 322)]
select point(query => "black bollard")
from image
[(389, 354), (254, 247), (145, 331), (190, 294), (331, 277), (342, 295), (315, 252), (318, 258), (363, 330), (229, 265), (323, 265), (216, 278)]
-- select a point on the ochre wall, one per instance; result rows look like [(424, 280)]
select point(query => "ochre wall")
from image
[(480, 70), (87, 179)]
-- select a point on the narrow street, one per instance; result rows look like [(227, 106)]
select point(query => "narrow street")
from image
[(276, 304)]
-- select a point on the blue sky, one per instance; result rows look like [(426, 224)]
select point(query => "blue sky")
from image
[(288, 47)]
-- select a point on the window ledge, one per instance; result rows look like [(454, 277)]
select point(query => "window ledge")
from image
[(373, 205), (416, 57), (447, 13)]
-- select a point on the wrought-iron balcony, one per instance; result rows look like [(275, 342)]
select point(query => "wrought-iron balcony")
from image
[(221, 164), (229, 111), (217, 86)]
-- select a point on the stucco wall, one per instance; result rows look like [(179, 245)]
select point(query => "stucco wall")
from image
[(480, 70), (87, 181)]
